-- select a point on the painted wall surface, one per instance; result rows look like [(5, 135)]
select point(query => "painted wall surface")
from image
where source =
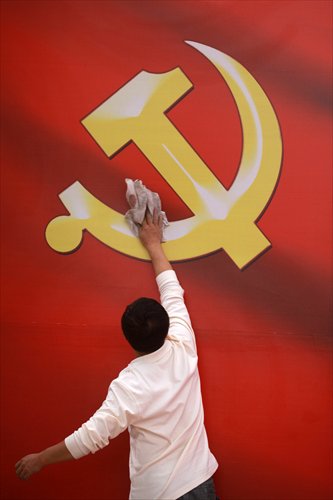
[(259, 294)]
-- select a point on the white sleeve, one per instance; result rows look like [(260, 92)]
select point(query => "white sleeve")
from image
[(112, 418), (172, 299)]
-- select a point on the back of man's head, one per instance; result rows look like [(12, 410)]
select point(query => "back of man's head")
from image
[(145, 324)]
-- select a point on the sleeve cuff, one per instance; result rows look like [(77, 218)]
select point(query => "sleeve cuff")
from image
[(166, 276), (73, 447)]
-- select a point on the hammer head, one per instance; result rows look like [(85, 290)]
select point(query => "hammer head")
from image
[(135, 109)]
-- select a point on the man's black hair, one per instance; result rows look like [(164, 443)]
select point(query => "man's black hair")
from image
[(145, 324)]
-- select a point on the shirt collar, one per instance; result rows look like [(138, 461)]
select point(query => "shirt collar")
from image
[(153, 356)]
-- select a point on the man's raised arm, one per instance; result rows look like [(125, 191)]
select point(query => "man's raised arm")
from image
[(171, 292), (151, 236)]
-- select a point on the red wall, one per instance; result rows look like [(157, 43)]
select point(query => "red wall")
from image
[(263, 332)]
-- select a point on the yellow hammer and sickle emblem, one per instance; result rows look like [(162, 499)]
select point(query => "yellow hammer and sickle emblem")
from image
[(222, 218)]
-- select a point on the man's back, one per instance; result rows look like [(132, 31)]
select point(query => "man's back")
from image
[(158, 398)]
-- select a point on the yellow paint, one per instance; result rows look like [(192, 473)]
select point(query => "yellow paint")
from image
[(222, 218)]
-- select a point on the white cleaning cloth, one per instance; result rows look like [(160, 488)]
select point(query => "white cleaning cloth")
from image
[(141, 199)]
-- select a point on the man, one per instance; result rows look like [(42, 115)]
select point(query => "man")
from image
[(157, 397)]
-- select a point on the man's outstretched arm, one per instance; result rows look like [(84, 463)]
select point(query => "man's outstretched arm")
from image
[(33, 463), (151, 236)]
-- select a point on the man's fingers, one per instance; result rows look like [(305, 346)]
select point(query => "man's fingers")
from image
[(23, 473), (148, 217), (155, 217), (20, 471), (19, 466)]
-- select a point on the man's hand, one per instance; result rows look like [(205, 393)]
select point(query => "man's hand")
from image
[(29, 465), (150, 232), (150, 235)]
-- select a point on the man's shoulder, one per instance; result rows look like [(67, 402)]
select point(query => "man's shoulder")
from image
[(126, 381)]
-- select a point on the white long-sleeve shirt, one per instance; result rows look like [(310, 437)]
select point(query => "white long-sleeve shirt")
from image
[(158, 398)]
